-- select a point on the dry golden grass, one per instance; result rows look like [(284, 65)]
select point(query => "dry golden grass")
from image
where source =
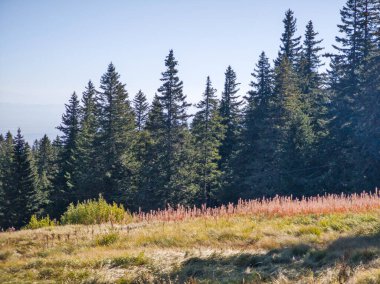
[(240, 248)]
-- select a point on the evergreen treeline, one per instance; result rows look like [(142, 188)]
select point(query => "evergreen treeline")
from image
[(297, 131)]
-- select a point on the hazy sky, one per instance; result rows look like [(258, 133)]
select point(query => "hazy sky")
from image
[(49, 48)]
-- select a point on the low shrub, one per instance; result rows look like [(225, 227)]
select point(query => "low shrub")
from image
[(107, 239), (309, 230), (92, 212), (36, 223), (127, 261)]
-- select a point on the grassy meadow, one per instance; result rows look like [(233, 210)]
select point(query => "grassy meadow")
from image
[(333, 247)]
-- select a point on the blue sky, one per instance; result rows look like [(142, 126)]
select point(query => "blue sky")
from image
[(48, 49)]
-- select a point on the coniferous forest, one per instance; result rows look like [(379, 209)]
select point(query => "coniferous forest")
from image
[(303, 129)]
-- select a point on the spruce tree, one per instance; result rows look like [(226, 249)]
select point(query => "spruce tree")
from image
[(2, 193), (208, 132), (140, 107), (368, 114), (369, 26), (315, 100), (357, 39), (253, 165), (116, 137), (176, 172), (155, 118), (368, 127), (290, 44), (293, 135), (231, 117), (67, 177), (150, 153), (88, 158), (310, 61), (349, 49), (6, 160), (46, 167), (22, 194)]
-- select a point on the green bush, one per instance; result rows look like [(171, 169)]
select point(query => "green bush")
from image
[(127, 261), (309, 230), (107, 239), (94, 212), (34, 223)]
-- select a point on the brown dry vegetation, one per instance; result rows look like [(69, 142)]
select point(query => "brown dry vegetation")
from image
[(304, 248)]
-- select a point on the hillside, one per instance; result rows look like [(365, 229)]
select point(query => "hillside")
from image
[(236, 248)]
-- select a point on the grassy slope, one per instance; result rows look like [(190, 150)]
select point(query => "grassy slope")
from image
[(333, 248)]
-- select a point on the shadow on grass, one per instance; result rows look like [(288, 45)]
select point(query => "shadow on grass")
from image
[(294, 262)]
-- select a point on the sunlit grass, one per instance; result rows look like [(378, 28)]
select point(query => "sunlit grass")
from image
[(286, 249)]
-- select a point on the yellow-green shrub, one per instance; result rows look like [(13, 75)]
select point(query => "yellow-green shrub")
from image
[(94, 212), (107, 239), (36, 223)]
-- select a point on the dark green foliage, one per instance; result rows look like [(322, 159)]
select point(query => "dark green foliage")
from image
[(117, 162), (230, 111), (47, 168), (231, 116), (88, 174), (293, 135), (149, 149), (6, 160), (315, 102), (355, 45), (290, 44), (176, 153), (2, 175), (368, 125), (22, 195), (67, 176), (368, 112), (208, 132), (140, 107), (310, 61), (254, 164)]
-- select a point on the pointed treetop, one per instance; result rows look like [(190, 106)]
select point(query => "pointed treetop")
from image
[(290, 44), (263, 80), (230, 104), (140, 107)]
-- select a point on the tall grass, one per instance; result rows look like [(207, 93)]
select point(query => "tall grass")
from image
[(277, 206), (92, 212)]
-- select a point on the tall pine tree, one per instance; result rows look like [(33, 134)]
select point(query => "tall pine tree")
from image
[(151, 159), (230, 111), (116, 138), (88, 158), (254, 162), (290, 44), (208, 132), (22, 193), (67, 176), (46, 162), (310, 61), (357, 39), (293, 135), (176, 172), (6, 161), (140, 107)]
